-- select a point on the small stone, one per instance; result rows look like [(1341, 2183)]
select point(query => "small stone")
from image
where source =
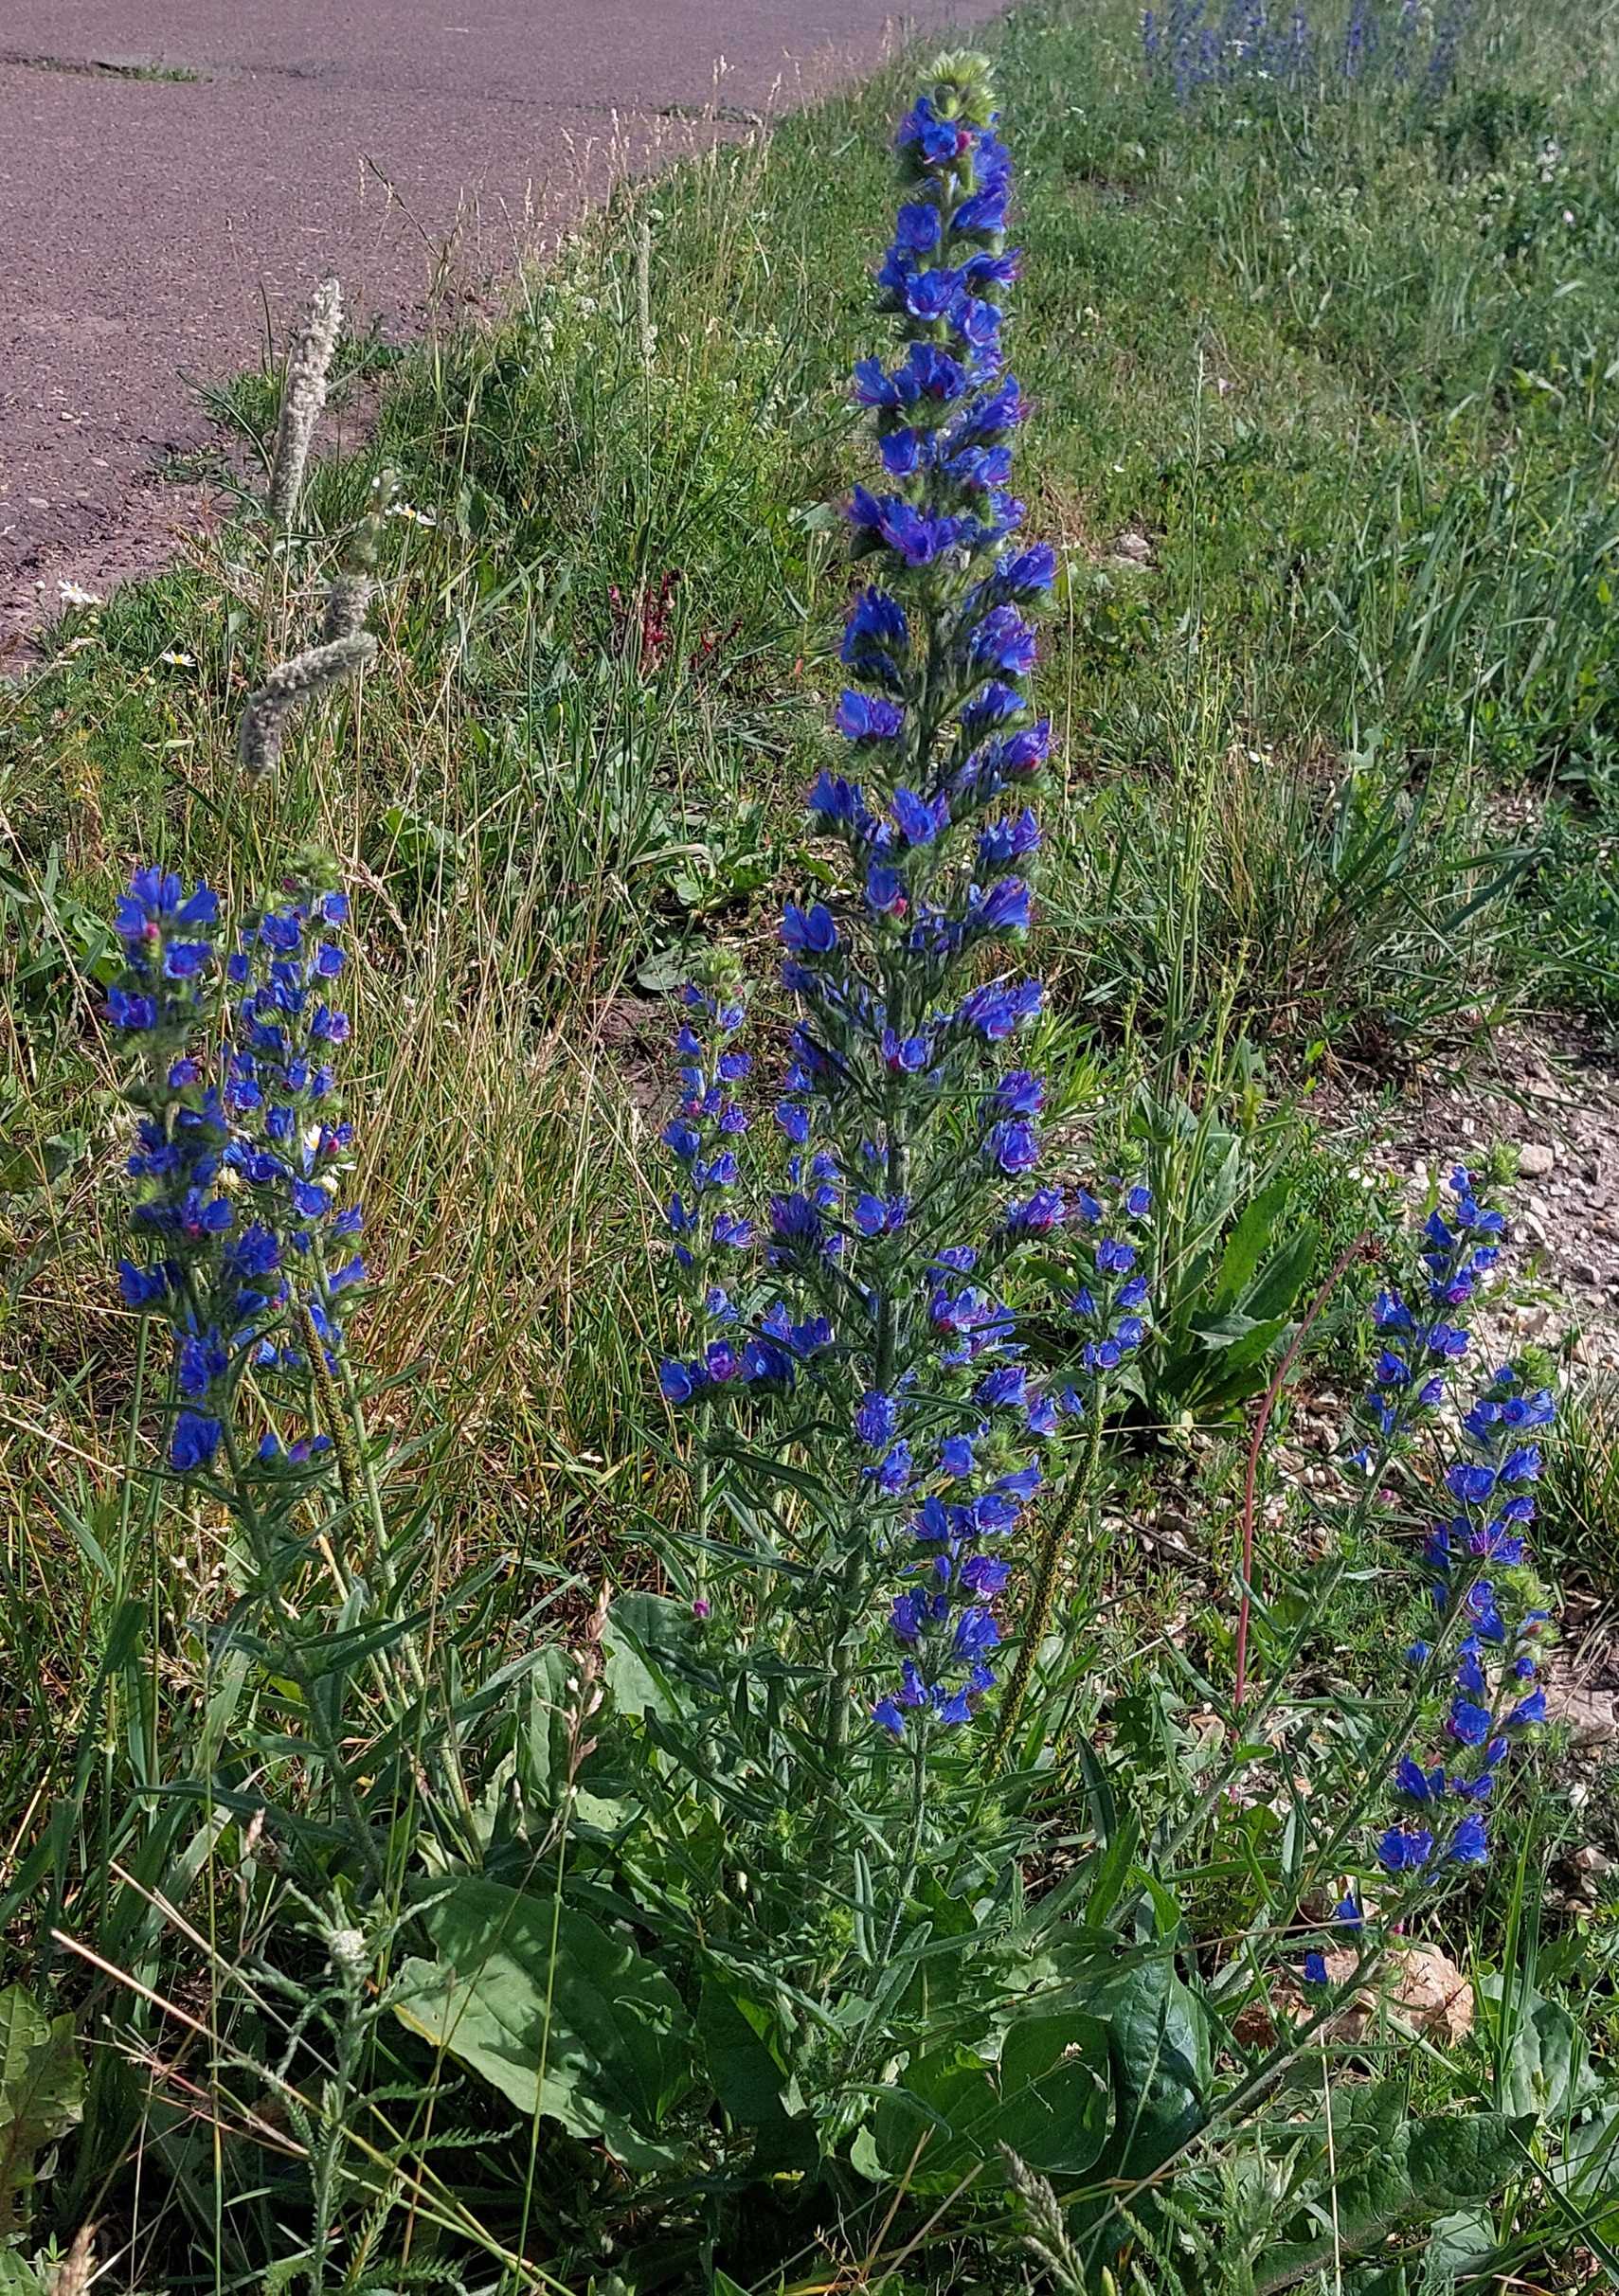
[(1589, 1713), (1535, 1161), (1423, 1988)]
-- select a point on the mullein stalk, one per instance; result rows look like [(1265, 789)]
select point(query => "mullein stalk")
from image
[(349, 599), (304, 397), (288, 685)]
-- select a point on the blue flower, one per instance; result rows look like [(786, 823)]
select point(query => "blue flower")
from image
[(144, 1286), (195, 1439), (1469, 1842), (863, 717), (919, 822), (876, 640), (811, 930), (1418, 1785), (1405, 1849), (1470, 1484), (1013, 1146), (955, 1456), (892, 1474), (876, 1419)]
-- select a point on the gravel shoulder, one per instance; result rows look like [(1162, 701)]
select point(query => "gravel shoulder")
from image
[(175, 175)]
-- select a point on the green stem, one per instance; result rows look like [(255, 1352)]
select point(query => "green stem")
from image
[(325, 1737), (914, 1836), (1043, 1598), (851, 1579), (292, 1651), (702, 1499)]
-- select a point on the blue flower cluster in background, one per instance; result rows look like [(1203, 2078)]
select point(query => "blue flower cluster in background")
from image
[(1189, 47), (236, 1195), (1490, 1629), (1489, 1626), (1422, 1341)]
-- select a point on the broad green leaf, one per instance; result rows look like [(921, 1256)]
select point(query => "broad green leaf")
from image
[(42, 2086), (1547, 2069), (1285, 1275), (1247, 1243), (1158, 2039), (1588, 2170), (1457, 2244), (1047, 2099), (544, 1735), (751, 2081), (648, 1642), (561, 2017), (1394, 2173), (746, 2075)]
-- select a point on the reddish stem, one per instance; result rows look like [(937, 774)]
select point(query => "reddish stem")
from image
[(1257, 1445)]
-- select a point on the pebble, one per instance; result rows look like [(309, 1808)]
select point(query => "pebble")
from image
[(1536, 1162), (1590, 1714)]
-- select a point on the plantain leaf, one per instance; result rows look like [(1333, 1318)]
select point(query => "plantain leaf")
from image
[(1046, 2100), (561, 2016)]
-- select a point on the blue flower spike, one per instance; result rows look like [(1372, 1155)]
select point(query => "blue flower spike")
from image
[(236, 1195)]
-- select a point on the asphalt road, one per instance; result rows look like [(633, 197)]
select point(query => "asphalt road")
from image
[(154, 223)]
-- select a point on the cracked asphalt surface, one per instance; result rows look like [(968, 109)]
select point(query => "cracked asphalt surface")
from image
[(171, 171)]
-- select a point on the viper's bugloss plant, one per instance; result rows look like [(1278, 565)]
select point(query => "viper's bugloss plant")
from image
[(1492, 1629), (1190, 48), (911, 1128), (1473, 1688), (237, 1208), (915, 1829)]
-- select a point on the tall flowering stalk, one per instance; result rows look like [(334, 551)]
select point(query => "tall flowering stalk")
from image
[(880, 1334), (1492, 1630), (244, 1242), (1475, 1684), (1491, 1625), (212, 1278)]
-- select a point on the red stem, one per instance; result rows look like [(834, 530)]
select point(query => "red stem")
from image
[(1245, 1604)]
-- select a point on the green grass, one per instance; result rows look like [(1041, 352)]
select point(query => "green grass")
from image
[(1327, 434)]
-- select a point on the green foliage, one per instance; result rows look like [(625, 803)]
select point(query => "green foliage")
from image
[(1580, 1502), (42, 2081), (1345, 391), (562, 2018), (1383, 2172)]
